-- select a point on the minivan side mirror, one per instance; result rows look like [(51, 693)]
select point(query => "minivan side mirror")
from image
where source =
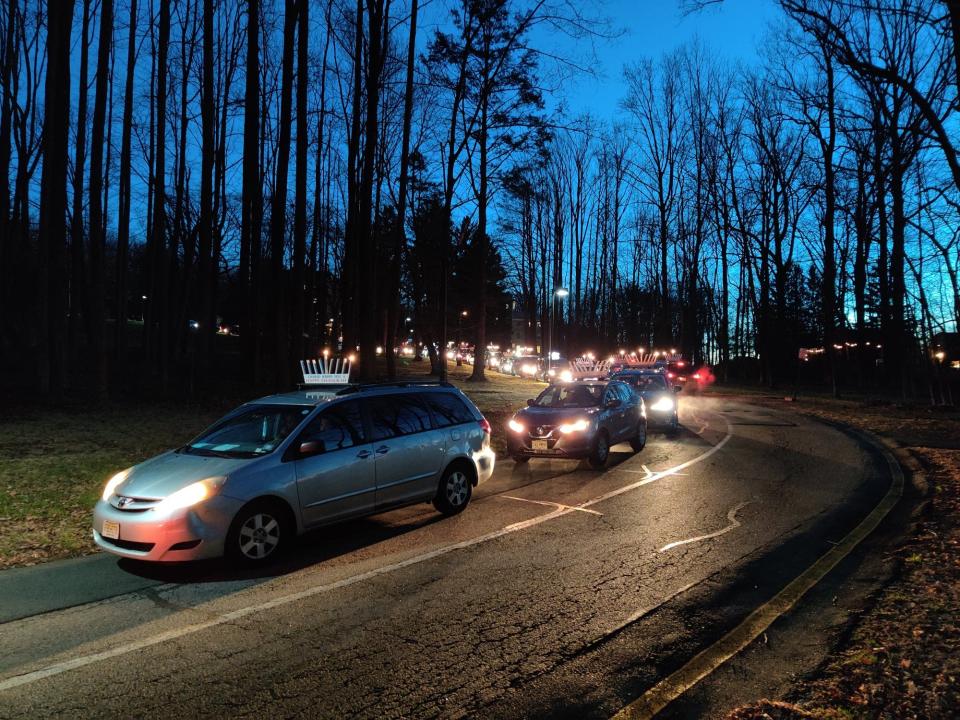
[(677, 388), (312, 447), (531, 402), (612, 403)]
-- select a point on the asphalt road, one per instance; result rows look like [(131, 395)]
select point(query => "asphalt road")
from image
[(561, 591)]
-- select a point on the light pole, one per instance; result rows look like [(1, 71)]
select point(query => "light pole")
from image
[(560, 292)]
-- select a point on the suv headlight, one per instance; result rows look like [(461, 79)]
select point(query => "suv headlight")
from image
[(113, 482), (191, 494), (662, 405), (515, 426), (575, 426)]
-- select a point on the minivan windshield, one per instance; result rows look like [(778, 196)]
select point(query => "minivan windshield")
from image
[(558, 396), (251, 431)]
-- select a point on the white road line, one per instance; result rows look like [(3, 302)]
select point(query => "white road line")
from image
[(552, 504), (734, 523), (221, 619)]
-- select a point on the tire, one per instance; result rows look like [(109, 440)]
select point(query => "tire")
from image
[(639, 441), (259, 533), (601, 451), (674, 426), (521, 459), (455, 491)]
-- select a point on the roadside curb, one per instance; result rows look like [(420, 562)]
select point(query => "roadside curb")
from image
[(737, 640)]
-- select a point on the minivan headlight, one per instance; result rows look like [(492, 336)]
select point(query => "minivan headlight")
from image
[(113, 482), (191, 494)]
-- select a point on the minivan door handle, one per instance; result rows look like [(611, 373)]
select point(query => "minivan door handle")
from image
[(383, 450), (364, 454)]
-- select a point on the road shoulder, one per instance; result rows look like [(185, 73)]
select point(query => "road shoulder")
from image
[(887, 620)]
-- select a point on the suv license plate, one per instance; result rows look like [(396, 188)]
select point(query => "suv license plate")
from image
[(539, 444), (111, 530)]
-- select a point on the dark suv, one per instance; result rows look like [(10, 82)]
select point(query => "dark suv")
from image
[(578, 420)]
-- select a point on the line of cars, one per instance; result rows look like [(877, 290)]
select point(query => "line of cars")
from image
[(287, 463)]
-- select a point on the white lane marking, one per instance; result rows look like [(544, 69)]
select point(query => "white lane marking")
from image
[(552, 504), (734, 523), (220, 619)]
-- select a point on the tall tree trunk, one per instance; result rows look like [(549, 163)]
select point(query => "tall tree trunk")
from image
[(480, 339), (6, 122), (400, 241), (349, 302), (252, 196), (278, 209), (158, 349), (205, 269), (51, 284), (123, 200), (300, 187), (97, 239), (77, 259), (377, 22)]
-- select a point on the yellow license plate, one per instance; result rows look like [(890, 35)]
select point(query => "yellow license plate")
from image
[(539, 444), (111, 530)]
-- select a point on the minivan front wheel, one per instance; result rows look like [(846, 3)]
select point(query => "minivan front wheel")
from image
[(258, 534), (454, 492)]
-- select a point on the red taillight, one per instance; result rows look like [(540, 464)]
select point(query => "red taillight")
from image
[(485, 425), (696, 376), (671, 375)]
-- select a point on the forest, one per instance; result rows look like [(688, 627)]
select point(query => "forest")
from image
[(195, 189)]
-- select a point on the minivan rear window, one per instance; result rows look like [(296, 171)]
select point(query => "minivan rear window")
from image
[(447, 409), (394, 415)]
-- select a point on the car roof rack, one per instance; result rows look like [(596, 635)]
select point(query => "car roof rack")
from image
[(361, 387)]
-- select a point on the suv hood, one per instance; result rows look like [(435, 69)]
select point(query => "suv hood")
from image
[(165, 474), (555, 416)]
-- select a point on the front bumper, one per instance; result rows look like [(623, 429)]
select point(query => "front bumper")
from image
[(661, 418), (574, 446), (192, 533)]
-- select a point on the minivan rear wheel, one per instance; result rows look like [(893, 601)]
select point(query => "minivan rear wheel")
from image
[(455, 491)]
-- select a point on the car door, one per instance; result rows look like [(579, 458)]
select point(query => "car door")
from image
[(338, 480), (617, 415), (408, 452)]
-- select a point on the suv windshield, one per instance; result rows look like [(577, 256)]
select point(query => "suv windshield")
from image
[(251, 431), (570, 396), (645, 382)]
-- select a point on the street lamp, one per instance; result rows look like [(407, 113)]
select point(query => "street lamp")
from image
[(560, 292)]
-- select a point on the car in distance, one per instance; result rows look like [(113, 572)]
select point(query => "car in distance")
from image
[(284, 464), (659, 397), (527, 366), (577, 420)]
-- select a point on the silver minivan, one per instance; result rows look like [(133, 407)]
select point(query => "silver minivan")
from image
[(278, 466)]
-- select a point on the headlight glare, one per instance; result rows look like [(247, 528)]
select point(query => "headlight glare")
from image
[(515, 426), (191, 494), (113, 482), (662, 405), (575, 426)]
